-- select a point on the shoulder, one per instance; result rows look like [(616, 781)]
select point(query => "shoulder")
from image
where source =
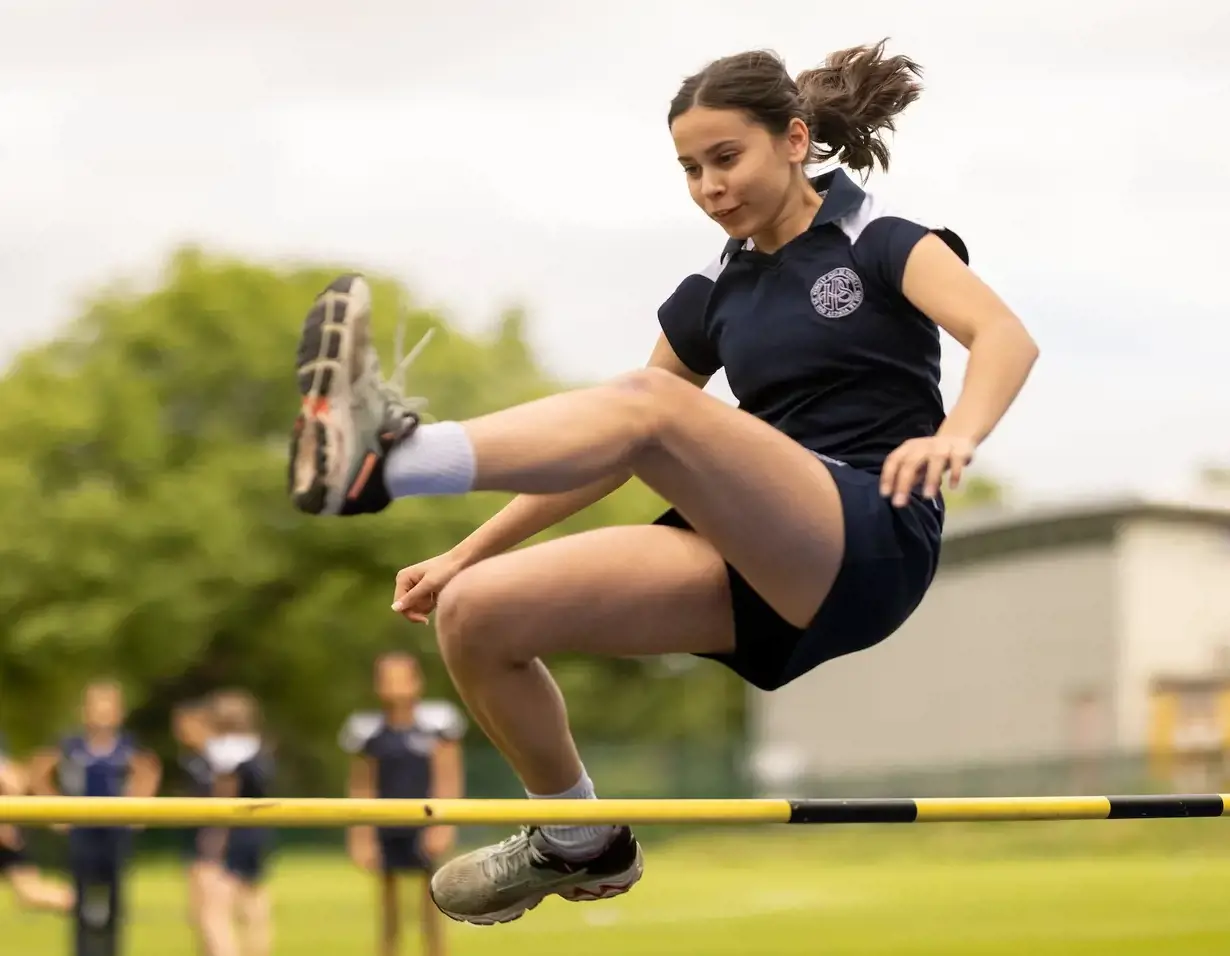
[(358, 731), (225, 754), (882, 236), (704, 276), (441, 718), (682, 317), (880, 228), (692, 291)]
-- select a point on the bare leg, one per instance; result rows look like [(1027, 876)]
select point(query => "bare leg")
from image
[(434, 943), (256, 916), (764, 502), (37, 892), (390, 915), (616, 591), (200, 877), (218, 914)]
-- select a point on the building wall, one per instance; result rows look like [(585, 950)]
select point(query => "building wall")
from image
[(1008, 657), (1174, 610)]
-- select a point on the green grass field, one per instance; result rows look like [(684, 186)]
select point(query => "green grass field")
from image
[(1121, 888)]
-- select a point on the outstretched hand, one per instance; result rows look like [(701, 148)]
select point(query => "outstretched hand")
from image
[(419, 586), (924, 460)]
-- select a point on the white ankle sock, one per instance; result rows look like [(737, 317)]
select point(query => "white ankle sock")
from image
[(437, 459), (576, 842)]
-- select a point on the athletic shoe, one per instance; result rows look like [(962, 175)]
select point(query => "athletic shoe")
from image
[(350, 416), (498, 884)]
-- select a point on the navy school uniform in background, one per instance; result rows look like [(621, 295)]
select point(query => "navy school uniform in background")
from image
[(248, 849), (97, 856), (403, 765), (196, 780)]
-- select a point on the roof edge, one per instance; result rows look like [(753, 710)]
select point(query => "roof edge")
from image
[(1210, 507)]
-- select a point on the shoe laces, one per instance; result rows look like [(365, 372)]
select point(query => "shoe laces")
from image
[(394, 387), (510, 856)]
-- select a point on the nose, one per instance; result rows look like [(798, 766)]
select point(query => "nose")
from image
[(712, 186)]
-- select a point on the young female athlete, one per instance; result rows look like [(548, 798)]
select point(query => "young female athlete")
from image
[(805, 523)]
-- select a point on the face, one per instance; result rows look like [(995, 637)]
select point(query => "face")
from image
[(192, 728), (397, 680), (738, 172), (103, 708)]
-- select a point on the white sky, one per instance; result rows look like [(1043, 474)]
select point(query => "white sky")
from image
[(491, 153)]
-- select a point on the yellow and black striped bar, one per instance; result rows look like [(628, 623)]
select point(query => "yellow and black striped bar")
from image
[(975, 809), (197, 811)]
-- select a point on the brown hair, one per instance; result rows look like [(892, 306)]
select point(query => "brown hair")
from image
[(235, 712), (846, 103), (395, 657)]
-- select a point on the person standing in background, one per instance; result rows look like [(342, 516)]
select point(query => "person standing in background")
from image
[(411, 749), (238, 917), (190, 725), (102, 760)]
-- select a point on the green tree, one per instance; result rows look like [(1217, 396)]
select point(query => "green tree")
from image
[(146, 531)]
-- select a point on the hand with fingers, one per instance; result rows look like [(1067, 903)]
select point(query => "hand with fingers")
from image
[(418, 587), (362, 848), (438, 842), (924, 461)]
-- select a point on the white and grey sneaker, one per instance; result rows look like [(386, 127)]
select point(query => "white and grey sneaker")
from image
[(350, 416), (500, 883)]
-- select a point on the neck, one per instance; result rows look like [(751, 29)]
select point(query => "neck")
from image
[(793, 219), (401, 712), (100, 738)]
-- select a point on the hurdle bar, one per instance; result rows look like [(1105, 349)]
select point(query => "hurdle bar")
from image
[(306, 812)]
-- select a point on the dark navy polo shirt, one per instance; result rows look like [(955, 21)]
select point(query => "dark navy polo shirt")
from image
[(403, 755), (245, 756), (196, 775), (817, 338), (84, 772)]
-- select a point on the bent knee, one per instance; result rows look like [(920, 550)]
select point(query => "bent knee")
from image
[(652, 384), (466, 615), (655, 396)]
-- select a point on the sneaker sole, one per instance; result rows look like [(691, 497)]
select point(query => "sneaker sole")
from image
[(606, 888), (335, 331)]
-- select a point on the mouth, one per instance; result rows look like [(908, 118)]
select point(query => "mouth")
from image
[(721, 215)]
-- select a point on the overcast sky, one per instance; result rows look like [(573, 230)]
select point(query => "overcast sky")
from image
[(493, 153)]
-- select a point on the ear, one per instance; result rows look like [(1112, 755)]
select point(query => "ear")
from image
[(797, 141)]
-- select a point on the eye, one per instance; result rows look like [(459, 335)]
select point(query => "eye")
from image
[(725, 159), (691, 170)]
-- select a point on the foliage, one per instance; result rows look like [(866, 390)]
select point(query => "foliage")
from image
[(145, 531)]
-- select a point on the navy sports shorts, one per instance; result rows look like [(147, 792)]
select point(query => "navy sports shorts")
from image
[(401, 851), (247, 853), (190, 844), (890, 560)]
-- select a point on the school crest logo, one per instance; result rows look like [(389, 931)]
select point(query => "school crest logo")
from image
[(837, 293)]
